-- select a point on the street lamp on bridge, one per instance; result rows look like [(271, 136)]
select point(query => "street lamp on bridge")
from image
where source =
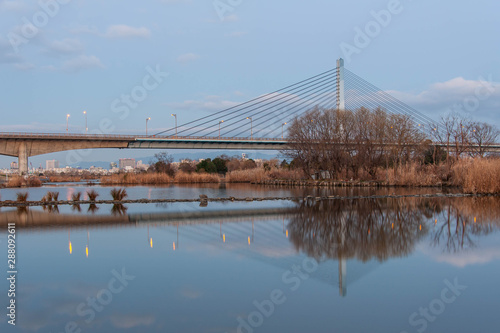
[(220, 122), (251, 128), (86, 128), (147, 119), (282, 129), (67, 123), (175, 115)]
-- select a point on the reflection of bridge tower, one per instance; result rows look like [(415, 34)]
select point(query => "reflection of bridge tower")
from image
[(342, 276), (342, 260)]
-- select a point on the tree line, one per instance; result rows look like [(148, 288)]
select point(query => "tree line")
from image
[(330, 143)]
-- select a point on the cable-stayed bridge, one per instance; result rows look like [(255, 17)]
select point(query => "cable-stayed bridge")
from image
[(258, 124)]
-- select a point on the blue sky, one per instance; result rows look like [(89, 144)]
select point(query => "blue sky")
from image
[(84, 55)]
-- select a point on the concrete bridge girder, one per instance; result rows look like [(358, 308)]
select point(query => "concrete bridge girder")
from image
[(23, 149), (24, 145)]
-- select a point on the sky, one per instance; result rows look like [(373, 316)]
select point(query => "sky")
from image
[(195, 57)]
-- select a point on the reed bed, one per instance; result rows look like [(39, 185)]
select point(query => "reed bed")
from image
[(247, 176), (192, 178), (18, 181), (118, 194), (135, 179), (22, 196), (412, 174), (478, 176)]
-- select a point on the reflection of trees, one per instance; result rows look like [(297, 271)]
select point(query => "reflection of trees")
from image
[(364, 229), (463, 219), (51, 208), (385, 228), (118, 210), (92, 208)]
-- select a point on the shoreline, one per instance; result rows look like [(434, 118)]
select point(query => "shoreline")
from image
[(202, 200)]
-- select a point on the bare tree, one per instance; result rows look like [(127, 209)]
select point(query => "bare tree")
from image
[(482, 135)]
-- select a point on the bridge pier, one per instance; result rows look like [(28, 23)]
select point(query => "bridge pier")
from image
[(23, 158)]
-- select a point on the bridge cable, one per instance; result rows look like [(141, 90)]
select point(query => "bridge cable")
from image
[(325, 97), (292, 105), (285, 98), (255, 99)]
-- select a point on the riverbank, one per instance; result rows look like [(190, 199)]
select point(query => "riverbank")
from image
[(476, 176), (204, 199)]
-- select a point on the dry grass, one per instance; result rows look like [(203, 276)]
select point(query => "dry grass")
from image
[(247, 176), (92, 194), (478, 175), (22, 197), (295, 174), (183, 177), (15, 182), (18, 181), (412, 174), (136, 179), (64, 178), (76, 196), (51, 196), (118, 194)]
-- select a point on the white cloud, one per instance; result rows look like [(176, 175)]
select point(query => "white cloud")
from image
[(175, 1), (66, 46), (127, 321), (24, 66), (210, 103), (231, 18), (125, 31), (188, 57), (7, 54), (473, 257), (85, 29), (450, 92), (82, 62), (236, 34), (33, 127), (9, 5), (478, 99)]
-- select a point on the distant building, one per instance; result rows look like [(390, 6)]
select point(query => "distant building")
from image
[(52, 164), (126, 163), (14, 166), (141, 165), (113, 165)]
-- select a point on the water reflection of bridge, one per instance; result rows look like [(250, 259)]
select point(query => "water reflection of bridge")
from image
[(363, 232)]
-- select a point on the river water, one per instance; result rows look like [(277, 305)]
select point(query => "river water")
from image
[(357, 265)]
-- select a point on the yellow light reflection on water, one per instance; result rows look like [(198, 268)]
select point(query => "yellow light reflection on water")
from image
[(173, 245), (70, 248), (287, 234), (87, 251), (224, 238), (151, 242), (248, 240)]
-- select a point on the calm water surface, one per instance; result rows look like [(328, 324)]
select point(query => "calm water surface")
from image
[(388, 265)]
